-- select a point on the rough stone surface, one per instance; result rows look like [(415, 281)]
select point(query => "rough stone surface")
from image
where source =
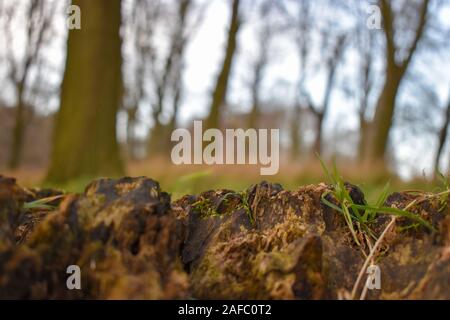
[(131, 242), (122, 235)]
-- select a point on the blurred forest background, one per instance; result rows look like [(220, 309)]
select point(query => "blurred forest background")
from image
[(103, 100)]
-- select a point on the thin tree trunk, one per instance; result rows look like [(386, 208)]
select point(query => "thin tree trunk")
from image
[(363, 125), (295, 133), (220, 91), (158, 142), (442, 138), (253, 117), (395, 71), (364, 103), (84, 140), (384, 113), (175, 104), (172, 79), (319, 134), (130, 127), (18, 131), (320, 115), (34, 35), (363, 132)]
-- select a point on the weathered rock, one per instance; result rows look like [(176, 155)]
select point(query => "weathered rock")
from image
[(11, 198), (267, 243), (263, 243), (122, 235)]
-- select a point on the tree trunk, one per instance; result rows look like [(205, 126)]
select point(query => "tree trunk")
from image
[(295, 133), (381, 126), (84, 141), (34, 39), (258, 75), (253, 116), (363, 123), (18, 132), (131, 137), (220, 91), (319, 133), (363, 132), (395, 70), (442, 138), (159, 141)]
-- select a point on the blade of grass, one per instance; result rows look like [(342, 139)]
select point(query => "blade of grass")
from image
[(345, 213), (383, 195), (42, 203), (325, 170), (331, 204), (396, 212)]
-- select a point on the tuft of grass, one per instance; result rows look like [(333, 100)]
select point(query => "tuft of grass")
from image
[(352, 211), (443, 199), (360, 224), (342, 195), (243, 196), (246, 206), (206, 208)]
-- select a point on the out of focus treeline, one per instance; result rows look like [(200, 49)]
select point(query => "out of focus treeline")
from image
[(367, 82)]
